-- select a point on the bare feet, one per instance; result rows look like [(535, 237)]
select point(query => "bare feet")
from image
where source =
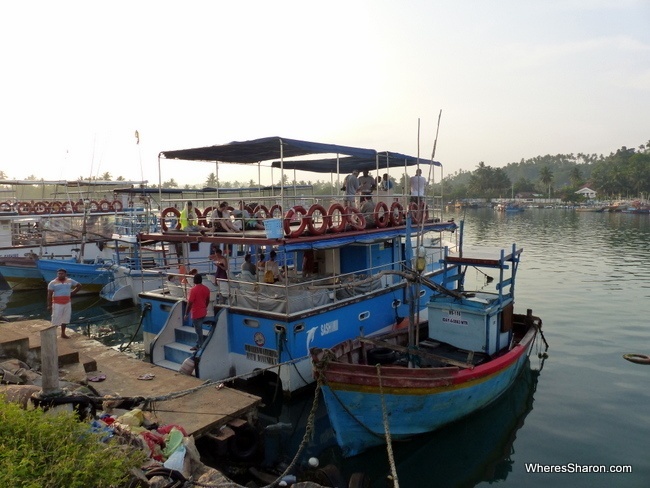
[(63, 336)]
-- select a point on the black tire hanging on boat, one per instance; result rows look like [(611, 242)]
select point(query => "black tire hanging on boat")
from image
[(381, 355), (245, 443)]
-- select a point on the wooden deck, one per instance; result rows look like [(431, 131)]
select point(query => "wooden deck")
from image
[(80, 358)]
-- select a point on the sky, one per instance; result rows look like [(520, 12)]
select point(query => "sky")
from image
[(512, 79)]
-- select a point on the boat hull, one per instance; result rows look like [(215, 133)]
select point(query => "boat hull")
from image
[(364, 401), (93, 277)]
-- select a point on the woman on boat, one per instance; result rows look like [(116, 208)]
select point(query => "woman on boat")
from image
[(272, 266), (220, 275)]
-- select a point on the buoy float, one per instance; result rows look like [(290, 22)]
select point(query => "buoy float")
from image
[(324, 220), (297, 210), (337, 218), (396, 214), (23, 208), (40, 208), (104, 205), (381, 215), (170, 213), (356, 219), (275, 212), (637, 358)]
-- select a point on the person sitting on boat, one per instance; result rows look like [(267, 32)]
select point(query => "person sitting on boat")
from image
[(250, 221), (351, 186), (221, 218), (368, 211), (307, 263), (261, 264), (248, 269), (188, 219), (366, 186), (272, 266)]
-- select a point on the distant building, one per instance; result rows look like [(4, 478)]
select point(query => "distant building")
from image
[(587, 192)]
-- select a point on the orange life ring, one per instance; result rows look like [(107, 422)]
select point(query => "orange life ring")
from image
[(205, 219), (55, 207), (5, 207), (117, 205), (275, 212), (262, 211), (24, 208), (166, 214), (416, 216), (381, 214), (78, 207), (396, 214), (342, 218), (637, 358), (104, 205), (40, 208), (93, 206), (325, 220), (297, 210), (356, 219), (419, 212)]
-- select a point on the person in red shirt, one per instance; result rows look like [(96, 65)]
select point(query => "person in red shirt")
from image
[(197, 307)]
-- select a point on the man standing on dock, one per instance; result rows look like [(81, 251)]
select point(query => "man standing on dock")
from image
[(59, 292), (197, 308)]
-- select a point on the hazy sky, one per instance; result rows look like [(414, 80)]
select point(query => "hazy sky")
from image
[(514, 79)]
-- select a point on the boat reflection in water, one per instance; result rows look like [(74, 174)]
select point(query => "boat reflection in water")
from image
[(477, 448)]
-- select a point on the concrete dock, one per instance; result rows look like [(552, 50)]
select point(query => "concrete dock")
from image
[(81, 358)]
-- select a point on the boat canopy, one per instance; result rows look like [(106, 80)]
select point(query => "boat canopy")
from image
[(265, 149), (384, 159)]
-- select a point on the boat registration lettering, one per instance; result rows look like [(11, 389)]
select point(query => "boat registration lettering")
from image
[(261, 354), (329, 327), (455, 317)]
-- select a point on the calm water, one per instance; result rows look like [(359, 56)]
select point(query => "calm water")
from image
[(587, 275)]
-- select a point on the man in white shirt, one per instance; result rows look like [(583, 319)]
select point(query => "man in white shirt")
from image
[(418, 186)]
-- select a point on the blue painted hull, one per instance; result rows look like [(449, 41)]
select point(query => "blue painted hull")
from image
[(355, 404), (93, 277)]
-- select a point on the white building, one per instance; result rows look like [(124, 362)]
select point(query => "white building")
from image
[(587, 192)]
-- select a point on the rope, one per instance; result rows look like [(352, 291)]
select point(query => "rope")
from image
[(389, 444)]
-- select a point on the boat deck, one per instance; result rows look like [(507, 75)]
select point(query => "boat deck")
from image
[(80, 358)]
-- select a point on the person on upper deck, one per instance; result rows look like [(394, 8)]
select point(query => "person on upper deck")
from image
[(418, 186), (221, 218), (189, 219), (351, 185), (386, 184), (366, 186)]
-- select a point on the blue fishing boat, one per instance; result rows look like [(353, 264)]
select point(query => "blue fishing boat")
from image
[(341, 266), (416, 380), (92, 276)]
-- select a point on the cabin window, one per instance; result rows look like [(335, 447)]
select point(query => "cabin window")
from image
[(251, 323), (299, 328), (396, 303), (194, 247), (364, 315)]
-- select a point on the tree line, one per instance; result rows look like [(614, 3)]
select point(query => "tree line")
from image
[(623, 173)]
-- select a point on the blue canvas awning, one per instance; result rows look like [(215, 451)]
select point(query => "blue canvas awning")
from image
[(385, 159), (266, 149)]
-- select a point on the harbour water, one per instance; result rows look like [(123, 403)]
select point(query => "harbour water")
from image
[(587, 275)]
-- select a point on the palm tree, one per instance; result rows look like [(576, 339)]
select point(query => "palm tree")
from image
[(575, 176), (546, 177)]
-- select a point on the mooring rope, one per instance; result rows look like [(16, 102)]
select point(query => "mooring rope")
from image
[(389, 444)]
